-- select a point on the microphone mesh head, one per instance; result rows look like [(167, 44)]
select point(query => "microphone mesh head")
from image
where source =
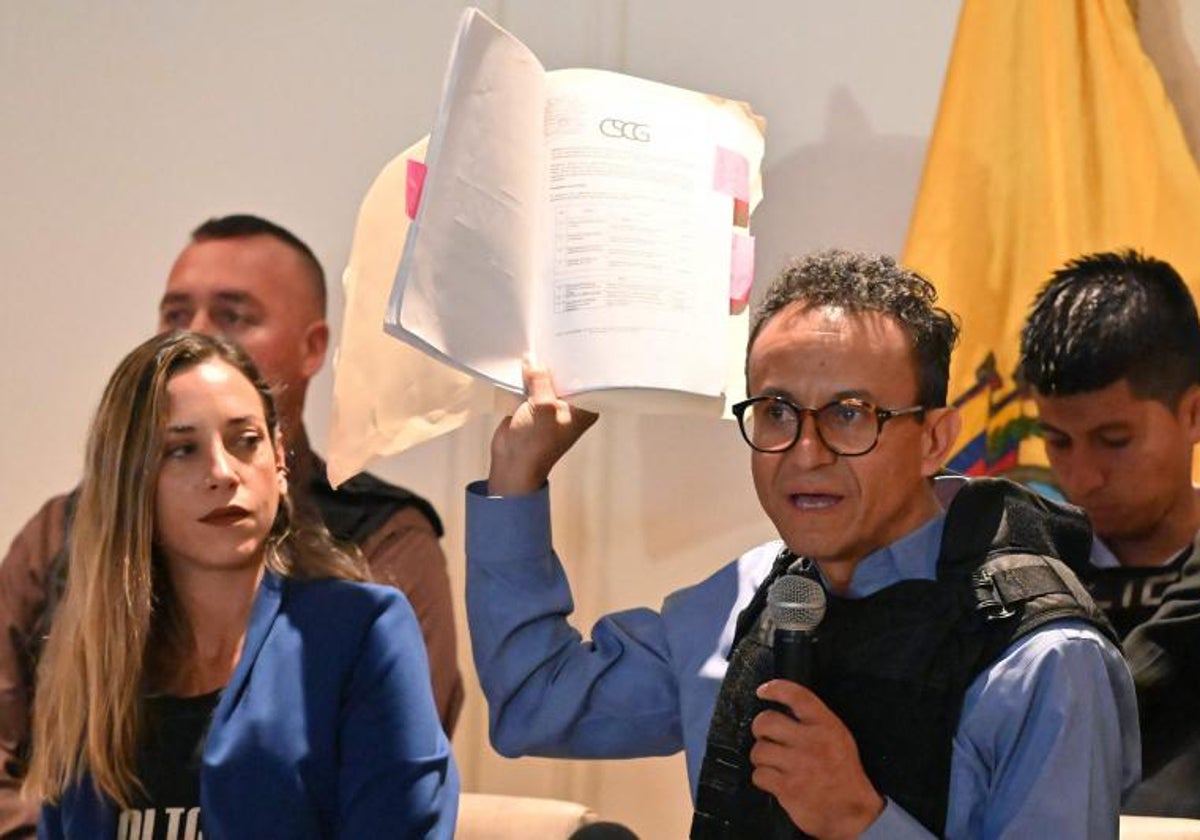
[(796, 603)]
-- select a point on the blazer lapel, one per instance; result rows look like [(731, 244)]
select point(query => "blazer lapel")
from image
[(262, 616)]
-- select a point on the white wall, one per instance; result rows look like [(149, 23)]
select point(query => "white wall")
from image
[(125, 124)]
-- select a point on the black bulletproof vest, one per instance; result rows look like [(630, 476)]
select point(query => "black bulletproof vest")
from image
[(360, 505), (895, 666)]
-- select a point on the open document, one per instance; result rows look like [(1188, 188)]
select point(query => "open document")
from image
[(591, 220)]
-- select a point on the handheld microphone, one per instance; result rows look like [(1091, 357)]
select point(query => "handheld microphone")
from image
[(796, 605)]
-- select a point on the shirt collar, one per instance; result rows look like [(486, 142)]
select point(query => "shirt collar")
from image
[(913, 556), (1102, 557)]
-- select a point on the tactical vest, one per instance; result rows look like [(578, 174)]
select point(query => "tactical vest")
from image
[(895, 666), (360, 505)]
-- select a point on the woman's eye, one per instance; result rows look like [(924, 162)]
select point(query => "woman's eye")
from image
[(180, 450), (249, 440)]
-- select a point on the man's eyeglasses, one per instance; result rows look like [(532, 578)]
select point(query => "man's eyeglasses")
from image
[(846, 427)]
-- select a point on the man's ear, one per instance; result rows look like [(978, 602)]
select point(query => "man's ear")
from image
[(313, 347), (942, 426), (1189, 412)]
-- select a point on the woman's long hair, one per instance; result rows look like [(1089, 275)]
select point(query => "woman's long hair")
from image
[(118, 618)]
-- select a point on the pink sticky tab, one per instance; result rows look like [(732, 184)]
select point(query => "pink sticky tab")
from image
[(415, 183), (731, 174), (741, 273)]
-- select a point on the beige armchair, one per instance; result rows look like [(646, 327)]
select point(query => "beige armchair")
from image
[(486, 816)]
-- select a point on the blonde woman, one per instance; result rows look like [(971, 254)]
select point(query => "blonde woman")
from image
[(216, 666)]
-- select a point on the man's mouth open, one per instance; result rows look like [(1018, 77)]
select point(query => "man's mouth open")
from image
[(814, 501)]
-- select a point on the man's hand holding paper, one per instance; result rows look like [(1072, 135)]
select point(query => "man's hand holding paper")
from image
[(528, 443)]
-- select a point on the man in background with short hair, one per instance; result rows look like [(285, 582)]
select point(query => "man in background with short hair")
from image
[(1111, 352), (256, 283)]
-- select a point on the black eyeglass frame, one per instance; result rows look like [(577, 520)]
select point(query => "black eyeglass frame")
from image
[(882, 415)]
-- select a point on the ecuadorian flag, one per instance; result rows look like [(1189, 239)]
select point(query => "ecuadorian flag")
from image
[(1054, 138)]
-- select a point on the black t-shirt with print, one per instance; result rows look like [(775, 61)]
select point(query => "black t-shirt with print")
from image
[(168, 765), (1129, 595)]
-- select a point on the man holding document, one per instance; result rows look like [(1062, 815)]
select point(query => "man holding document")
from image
[(962, 683)]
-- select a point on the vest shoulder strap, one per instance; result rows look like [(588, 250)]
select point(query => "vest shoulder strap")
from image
[(1027, 591)]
